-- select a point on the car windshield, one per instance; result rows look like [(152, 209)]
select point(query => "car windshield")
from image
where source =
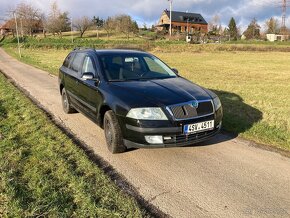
[(125, 67)]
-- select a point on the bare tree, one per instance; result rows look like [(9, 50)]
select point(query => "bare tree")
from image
[(220, 30), (109, 26), (272, 26), (125, 24), (121, 24), (214, 23), (29, 18), (253, 30), (82, 25), (57, 21)]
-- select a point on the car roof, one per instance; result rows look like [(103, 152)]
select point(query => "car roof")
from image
[(109, 51), (118, 51)]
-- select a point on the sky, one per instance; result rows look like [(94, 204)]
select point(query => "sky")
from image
[(149, 11)]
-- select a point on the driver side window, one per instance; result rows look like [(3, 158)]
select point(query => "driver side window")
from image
[(88, 66)]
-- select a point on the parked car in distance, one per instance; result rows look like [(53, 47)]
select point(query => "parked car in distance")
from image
[(137, 99)]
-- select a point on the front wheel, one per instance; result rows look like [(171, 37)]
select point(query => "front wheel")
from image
[(66, 105), (113, 133)]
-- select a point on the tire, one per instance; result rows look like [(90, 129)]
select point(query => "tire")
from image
[(113, 133), (66, 105)]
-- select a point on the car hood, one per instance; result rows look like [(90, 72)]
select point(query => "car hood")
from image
[(163, 92)]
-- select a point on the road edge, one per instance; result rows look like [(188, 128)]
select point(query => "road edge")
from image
[(118, 179)]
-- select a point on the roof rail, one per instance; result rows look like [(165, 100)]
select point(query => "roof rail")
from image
[(82, 48), (135, 48)]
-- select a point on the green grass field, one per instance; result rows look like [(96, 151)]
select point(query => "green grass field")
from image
[(253, 86), (44, 174)]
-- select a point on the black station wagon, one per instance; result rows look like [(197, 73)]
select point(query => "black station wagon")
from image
[(137, 99)]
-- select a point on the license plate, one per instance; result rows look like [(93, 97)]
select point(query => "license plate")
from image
[(198, 127)]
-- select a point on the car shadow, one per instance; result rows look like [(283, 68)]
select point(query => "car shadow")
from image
[(238, 117)]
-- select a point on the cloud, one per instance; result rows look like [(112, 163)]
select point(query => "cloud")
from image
[(148, 11)]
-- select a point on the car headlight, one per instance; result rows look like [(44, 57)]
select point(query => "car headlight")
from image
[(150, 113), (217, 103)]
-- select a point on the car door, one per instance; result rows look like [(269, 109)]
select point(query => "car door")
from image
[(88, 89), (72, 79)]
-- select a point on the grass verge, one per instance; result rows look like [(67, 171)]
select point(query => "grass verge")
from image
[(43, 173), (49, 60)]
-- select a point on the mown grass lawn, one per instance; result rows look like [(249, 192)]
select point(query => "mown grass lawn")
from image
[(44, 174), (254, 86)]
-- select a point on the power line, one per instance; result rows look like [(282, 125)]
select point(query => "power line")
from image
[(283, 4), (283, 26)]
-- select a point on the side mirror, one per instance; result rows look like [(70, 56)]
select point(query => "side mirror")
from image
[(88, 76), (175, 71)]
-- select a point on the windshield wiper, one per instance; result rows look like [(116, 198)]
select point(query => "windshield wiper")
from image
[(118, 80), (139, 79)]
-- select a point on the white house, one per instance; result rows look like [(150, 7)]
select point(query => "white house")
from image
[(275, 37)]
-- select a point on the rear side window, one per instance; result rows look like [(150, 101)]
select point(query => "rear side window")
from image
[(77, 62), (68, 60)]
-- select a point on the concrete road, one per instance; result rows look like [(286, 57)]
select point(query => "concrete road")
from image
[(223, 178)]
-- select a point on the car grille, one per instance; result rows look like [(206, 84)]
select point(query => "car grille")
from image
[(181, 139), (186, 111)]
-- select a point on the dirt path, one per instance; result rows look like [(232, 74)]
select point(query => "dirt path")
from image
[(223, 178)]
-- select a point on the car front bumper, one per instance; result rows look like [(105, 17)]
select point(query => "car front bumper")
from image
[(134, 132), (176, 140)]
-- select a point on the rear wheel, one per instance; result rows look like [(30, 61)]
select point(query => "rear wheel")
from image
[(113, 133), (66, 105)]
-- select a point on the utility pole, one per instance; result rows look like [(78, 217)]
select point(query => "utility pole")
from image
[(187, 24), (187, 28), (170, 26), (21, 26), (284, 6), (16, 26), (283, 26), (71, 31)]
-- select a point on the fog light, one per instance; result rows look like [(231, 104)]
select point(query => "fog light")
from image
[(154, 139)]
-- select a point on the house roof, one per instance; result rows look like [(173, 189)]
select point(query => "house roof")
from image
[(178, 16), (8, 25)]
